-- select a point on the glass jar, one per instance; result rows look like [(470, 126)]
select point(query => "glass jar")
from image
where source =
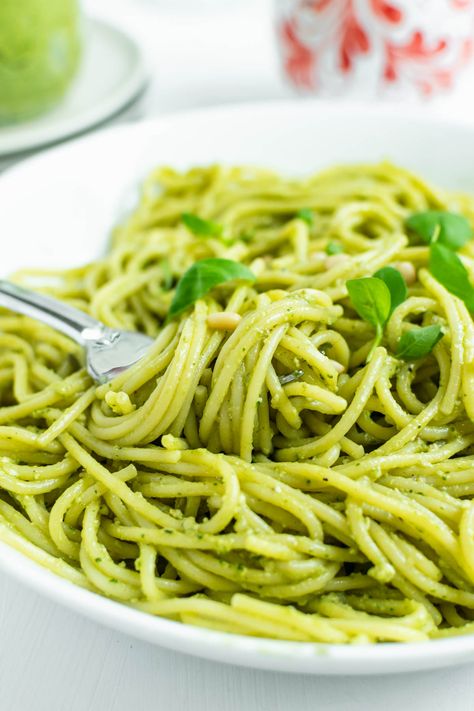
[(39, 54), (407, 50)]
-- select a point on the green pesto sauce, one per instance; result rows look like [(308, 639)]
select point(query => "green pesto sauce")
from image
[(39, 54)]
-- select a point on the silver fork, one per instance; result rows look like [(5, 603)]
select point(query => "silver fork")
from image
[(108, 351)]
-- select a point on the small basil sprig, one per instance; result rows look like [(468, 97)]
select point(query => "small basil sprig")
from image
[(370, 297), (200, 227), (306, 215), (203, 276), (334, 248), (447, 268), (396, 285), (448, 228), (418, 342), (375, 298)]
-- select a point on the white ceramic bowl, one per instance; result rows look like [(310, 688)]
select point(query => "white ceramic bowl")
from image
[(57, 209)]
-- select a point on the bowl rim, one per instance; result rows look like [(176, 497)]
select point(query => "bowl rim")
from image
[(253, 652)]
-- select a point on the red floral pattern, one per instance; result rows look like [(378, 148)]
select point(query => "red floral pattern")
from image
[(461, 4), (386, 11), (354, 39), (388, 31), (415, 50), (299, 59), (320, 5)]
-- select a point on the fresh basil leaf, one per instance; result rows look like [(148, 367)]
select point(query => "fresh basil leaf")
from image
[(418, 342), (306, 215), (371, 299), (203, 276), (447, 268), (396, 285), (200, 227), (448, 228), (334, 248)]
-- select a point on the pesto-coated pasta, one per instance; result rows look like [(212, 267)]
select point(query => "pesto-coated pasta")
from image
[(266, 469)]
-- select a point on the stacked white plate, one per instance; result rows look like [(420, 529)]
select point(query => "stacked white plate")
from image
[(110, 77)]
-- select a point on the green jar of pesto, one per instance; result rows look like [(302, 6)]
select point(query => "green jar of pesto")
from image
[(39, 54)]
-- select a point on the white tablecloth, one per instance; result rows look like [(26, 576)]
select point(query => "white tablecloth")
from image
[(200, 52)]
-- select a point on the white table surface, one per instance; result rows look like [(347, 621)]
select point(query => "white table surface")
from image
[(200, 52)]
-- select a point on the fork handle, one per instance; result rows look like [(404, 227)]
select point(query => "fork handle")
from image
[(73, 323)]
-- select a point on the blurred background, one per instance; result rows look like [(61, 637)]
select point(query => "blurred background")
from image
[(67, 67)]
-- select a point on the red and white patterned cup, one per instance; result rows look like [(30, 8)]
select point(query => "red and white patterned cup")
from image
[(375, 48)]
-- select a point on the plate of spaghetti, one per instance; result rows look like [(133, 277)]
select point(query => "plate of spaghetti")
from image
[(286, 479)]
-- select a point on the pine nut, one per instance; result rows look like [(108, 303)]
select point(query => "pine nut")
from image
[(224, 321), (407, 270), (335, 260)]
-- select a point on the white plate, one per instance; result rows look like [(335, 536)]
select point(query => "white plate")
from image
[(56, 209), (110, 76)]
